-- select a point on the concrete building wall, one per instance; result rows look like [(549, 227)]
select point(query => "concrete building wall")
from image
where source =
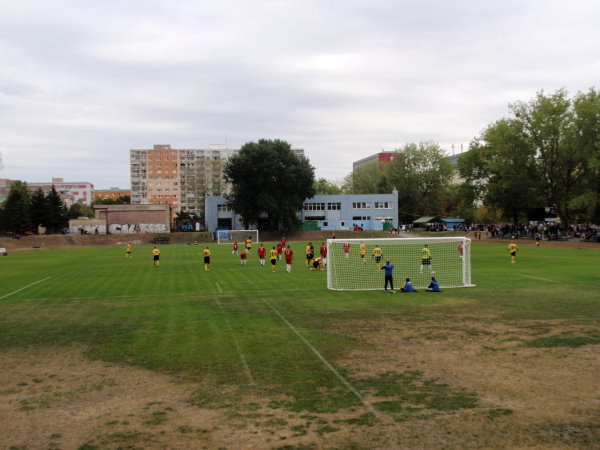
[(332, 212), (129, 219)]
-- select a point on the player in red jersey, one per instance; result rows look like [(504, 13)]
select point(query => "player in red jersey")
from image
[(461, 249), (323, 251), (289, 256), (279, 250), (243, 257), (346, 249), (262, 251), (283, 242), (235, 248)]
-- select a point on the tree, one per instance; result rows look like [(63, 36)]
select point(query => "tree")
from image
[(586, 139), (546, 156), (17, 208), (78, 209), (548, 123), (367, 180), (506, 161), (268, 177), (421, 174), (39, 209), (323, 186), (121, 200), (57, 212)]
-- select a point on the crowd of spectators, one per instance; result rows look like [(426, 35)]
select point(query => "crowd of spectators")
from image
[(546, 231), (542, 230)]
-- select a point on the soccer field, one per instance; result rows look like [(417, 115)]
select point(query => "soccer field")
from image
[(100, 351)]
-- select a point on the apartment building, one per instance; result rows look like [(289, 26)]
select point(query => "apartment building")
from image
[(70, 192), (182, 178)]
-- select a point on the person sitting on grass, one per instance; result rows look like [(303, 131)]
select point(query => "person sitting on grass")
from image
[(408, 286), (317, 263), (434, 286)]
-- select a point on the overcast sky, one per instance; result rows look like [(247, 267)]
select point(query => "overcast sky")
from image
[(83, 82)]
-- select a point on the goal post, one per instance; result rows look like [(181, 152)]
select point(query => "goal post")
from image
[(450, 262), (230, 236)]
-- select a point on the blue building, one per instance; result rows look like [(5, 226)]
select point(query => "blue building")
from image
[(330, 212)]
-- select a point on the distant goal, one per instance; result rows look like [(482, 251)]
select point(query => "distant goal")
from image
[(450, 262), (230, 236)]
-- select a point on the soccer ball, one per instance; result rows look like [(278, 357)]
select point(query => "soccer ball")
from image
[(432, 273)]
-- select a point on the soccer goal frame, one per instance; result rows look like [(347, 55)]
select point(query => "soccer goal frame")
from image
[(450, 262), (229, 236)]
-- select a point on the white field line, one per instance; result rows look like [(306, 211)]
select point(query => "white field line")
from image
[(24, 287), (219, 287), (237, 345), (538, 278), (327, 364)]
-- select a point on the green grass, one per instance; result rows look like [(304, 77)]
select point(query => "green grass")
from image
[(181, 320)]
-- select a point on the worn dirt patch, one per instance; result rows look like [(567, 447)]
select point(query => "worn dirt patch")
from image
[(528, 398), (541, 387), (57, 398)]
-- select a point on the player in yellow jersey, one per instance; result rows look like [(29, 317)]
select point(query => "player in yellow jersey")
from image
[(362, 251), (206, 254), (310, 254), (377, 254), (426, 259), (156, 256), (128, 249), (273, 258), (513, 248)]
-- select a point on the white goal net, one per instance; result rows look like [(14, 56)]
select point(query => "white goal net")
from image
[(230, 236), (353, 263)]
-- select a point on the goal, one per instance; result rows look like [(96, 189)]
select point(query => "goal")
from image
[(450, 262), (229, 236)]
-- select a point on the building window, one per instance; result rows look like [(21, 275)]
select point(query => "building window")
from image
[(334, 206), (361, 205), (314, 206), (223, 208), (361, 218), (383, 205), (314, 217)]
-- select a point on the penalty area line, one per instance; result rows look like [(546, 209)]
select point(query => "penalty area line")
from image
[(237, 344), (327, 364), (25, 287), (538, 278), (219, 287)]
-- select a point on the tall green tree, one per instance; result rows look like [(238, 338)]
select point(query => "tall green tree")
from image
[(548, 123), (421, 174), (39, 209), (17, 208), (57, 212), (267, 177), (510, 169), (586, 140)]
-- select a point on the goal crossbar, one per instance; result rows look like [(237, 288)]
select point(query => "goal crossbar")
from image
[(351, 267)]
